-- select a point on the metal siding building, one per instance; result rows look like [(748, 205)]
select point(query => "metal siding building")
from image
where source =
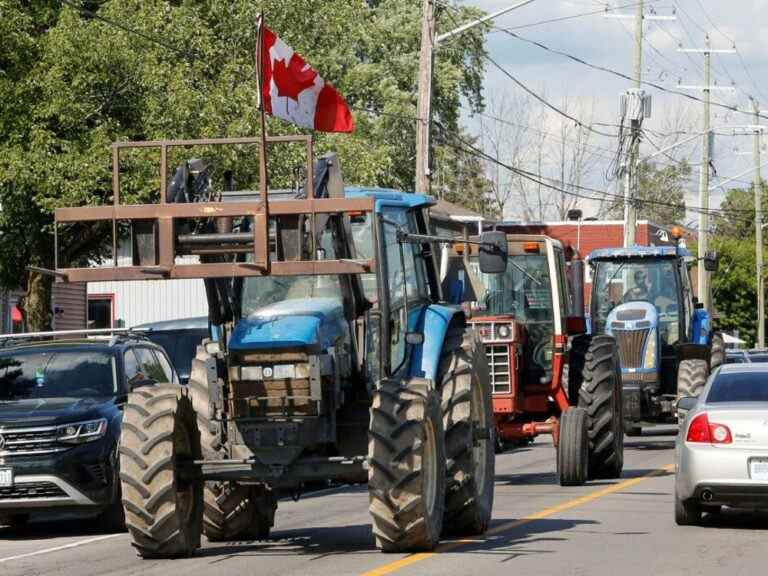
[(144, 301)]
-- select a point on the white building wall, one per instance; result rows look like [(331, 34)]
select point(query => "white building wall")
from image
[(139, 302)]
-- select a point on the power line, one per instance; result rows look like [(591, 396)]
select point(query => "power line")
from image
[(623, 75)]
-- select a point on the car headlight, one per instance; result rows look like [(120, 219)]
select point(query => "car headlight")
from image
[(649, 360), (81, 432)]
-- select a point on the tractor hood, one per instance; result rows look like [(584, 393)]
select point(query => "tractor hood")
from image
[(314, 323), (632, 316)]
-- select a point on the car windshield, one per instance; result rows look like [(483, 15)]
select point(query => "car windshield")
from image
[(654, 281), (56, 374), (523, 290), (739, 387)]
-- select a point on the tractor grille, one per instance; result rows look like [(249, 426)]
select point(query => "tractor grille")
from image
[(31, 490), (631, 346), (29, 441), (498, 364)]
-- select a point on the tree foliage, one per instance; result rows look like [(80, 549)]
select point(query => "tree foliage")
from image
[(71, 83), (734, 286), (736, 218), (661, 193)]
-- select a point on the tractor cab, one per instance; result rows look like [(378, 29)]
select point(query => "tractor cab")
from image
[(643, 297)]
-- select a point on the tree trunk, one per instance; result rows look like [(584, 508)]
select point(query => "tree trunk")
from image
[(38, 302)]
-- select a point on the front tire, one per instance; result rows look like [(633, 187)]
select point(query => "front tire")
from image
[(163, 511), (468, 424), (573, 448), (596, 380), (232, 511), (406, 455)]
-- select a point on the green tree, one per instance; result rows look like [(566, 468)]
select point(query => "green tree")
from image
[(736, 217), (661, 193), (71, 83), (734, 286)]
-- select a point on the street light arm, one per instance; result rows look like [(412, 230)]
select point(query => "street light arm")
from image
[(469, 25)]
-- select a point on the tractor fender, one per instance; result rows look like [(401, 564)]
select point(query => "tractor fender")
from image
[(702, 327), (693, 351), (434, 324)]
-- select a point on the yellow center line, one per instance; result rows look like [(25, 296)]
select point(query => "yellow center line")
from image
[(580, 501)]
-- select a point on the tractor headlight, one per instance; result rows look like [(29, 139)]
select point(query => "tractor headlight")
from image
[(649, 360), (503, 332)]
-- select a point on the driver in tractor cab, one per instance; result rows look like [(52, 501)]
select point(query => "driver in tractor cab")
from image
[(641, 290)]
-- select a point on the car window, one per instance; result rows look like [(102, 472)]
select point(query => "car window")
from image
[(150, 366), (739, 387), (166, 366), (56, 374), (131, 365)]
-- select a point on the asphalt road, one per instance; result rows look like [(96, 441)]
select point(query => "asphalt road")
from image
[(623, 527)]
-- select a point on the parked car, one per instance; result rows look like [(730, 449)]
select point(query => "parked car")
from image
[(722, 448), (746, 356), (180, 339), (61, 404)]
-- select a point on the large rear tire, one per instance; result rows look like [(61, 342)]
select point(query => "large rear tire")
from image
[(163, 510), (691, 377), (232, 511), (573, 448), (717, 354), (406, 478), (595, 377), (469, 434)]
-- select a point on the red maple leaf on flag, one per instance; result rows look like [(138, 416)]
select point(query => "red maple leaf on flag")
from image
[(294, 78)]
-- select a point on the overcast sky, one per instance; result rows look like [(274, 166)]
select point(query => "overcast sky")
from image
[(609, 42)]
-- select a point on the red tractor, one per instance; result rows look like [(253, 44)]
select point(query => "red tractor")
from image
[(548, 376)]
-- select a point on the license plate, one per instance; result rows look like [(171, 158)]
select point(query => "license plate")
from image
[(758, 469), (6, 477)]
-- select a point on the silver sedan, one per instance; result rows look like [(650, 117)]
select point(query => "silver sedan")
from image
[(722, 446)]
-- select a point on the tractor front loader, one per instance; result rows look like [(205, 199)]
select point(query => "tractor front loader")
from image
[(548, 376), (332, 356)]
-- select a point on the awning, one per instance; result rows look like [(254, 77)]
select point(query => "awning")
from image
[(728, 339), (16, 314)]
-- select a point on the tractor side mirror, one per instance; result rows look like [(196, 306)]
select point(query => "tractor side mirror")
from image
[(711, 262), (493, 252)]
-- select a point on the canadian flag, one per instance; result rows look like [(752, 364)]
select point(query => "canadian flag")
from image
[(294, 91)]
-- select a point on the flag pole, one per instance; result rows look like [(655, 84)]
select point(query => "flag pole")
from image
[(261, 224)]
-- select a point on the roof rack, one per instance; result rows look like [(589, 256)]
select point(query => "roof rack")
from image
[(116, 333)]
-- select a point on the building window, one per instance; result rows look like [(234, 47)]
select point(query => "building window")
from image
[(101, 311)]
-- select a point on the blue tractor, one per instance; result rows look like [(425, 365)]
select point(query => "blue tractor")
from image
[(642, 296), (333, 356)]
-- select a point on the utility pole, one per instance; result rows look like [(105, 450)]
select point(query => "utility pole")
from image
[(430, 43), (424, 103), (638, 105), (759, 233), (705, 294)]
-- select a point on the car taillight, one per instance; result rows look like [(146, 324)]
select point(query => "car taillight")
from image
[(702, 431)]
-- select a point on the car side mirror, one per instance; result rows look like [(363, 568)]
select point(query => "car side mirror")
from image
[(493, 252), (711, 262), (686, 404)]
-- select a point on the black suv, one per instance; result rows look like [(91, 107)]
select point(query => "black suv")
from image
[(61, 404)]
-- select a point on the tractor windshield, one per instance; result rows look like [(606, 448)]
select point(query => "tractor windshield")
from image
[(653, 281), (523, 290)]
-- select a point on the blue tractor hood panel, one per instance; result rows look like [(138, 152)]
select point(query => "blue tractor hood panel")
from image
[(315, 323), (632, 316)]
